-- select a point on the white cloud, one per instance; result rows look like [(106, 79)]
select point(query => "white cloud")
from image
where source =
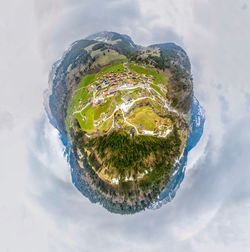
[(6, 120), (41, 210)]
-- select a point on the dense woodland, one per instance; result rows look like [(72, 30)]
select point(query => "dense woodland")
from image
[(128, 154)]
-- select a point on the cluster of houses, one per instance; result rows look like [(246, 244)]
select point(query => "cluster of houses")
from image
[(109, 84)]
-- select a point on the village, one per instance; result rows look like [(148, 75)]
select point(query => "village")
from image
[(108, 85), (123, 99), (136, 87)]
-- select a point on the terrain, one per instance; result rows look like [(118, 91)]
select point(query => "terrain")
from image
[(124, 113)]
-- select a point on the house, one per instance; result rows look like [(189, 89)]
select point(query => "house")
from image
[(127, 98)]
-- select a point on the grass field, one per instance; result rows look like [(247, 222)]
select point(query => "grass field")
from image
[(85, 81), (145, 116), (116, 68), (88, 123), (108, 58), (81, 94), (106, 125), (118, 97), (102, 108), (158, 89), (159, 77)]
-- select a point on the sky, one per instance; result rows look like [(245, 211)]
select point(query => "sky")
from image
[(40, 210)]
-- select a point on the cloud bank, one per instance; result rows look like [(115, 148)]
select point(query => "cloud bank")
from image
[(40, 208)]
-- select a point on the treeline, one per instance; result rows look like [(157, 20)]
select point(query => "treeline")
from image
[(167, 60)]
